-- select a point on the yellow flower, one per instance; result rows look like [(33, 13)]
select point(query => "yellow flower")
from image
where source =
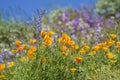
[(2, 67), (2, 77), (14, 51), (118, 47), (32, 41), (44, 60), (48, 42), (109, 43), (113, 36), (73, 70), (43, 33), (87, 48), (11, 64), (118, 43), (63, 48), (76, 47), (60, 40), (51, 33), (78, 59), (82, 51), (64, 54), (96, 48), (105, 49), (110, 55), (23, 59), (18, 43), (113, 61), (24, 46), (92, 53)]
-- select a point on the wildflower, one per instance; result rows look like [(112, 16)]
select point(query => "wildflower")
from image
[(24, 46), (118, 47), (19, 49), (51, 33), (110, 55), (71, 43), (11, 64), (14, 51), (32, 41), (78, 59), (82, 51), (2, 77), (73, 70), (110, 43), (87, 48), (2, 67), (43, 33), (63, 48), (105, 49), (18, 43), (48, 42), (65, 54), (113, 36), (44, 60), (96, 48), (92, 53), (33, 48), (118, 43), (113, 61), (60, 40), (23, 59), (76, 47)]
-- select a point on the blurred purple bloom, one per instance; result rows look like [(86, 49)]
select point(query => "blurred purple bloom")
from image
[(60, 17), (117, 15), (75, 22), (90, 21), (38, 21), (111, 21), (65, 19), (86, 16), (67, 14), (76, 10)]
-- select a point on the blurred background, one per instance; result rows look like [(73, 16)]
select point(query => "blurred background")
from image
[(82, 19)]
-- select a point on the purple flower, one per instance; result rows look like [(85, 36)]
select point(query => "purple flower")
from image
[(117, 15), (86, 16), (60, 17), (67, 14), (29, 23), (75, 22), (65, 19)]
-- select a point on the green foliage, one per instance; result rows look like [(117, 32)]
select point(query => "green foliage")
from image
[(10, 31), (108, 7)]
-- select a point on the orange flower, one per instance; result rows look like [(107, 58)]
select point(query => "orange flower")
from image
[(24, 46), (44, 60), (113, 36), (92, 53), (48, 42), (82, 51), (105, 49), (78, 59), (63, 48), (96, 48), (118, 43), (18, 43), (33, 48), (76, 47), (110, 55), (2, 67), (51, 33), (73, 70), (19, 49), (32, 41), (43, 33)]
